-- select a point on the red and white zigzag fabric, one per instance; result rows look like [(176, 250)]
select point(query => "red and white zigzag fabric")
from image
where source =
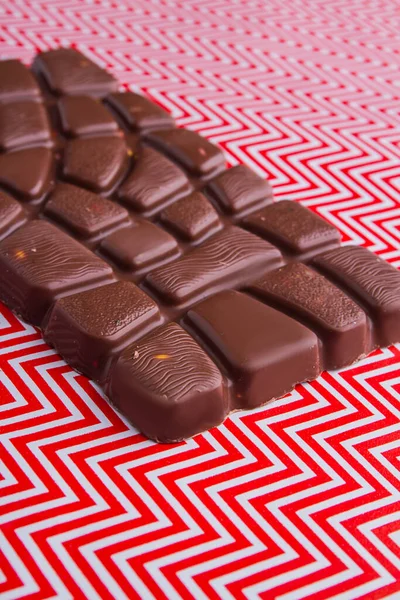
[(300, 499)]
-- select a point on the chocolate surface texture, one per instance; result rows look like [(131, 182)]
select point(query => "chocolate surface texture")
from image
[(176, 283)]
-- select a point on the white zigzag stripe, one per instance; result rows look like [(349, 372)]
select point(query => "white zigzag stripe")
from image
[(295, 500)]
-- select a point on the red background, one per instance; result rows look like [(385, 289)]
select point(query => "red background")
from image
[(297, 500)]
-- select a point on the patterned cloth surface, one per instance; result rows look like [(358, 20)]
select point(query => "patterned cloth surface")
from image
[(299, 499)]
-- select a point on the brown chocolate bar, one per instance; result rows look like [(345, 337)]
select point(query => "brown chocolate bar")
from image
[(173, 281)]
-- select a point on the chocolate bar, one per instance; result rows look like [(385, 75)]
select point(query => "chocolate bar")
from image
[(179, 285)]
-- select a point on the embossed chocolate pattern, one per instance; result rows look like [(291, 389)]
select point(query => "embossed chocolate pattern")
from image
[(97, 163), (308, 296), (39, 263), (372, 281), (196, 154), (294, 227), (230, 258), (154, 181), (191, 217), (178, 333), (174, 388), (87, 338), (239, 189), (84, 213)]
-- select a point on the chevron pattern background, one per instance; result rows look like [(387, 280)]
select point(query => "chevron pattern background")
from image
[(297, 500)]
